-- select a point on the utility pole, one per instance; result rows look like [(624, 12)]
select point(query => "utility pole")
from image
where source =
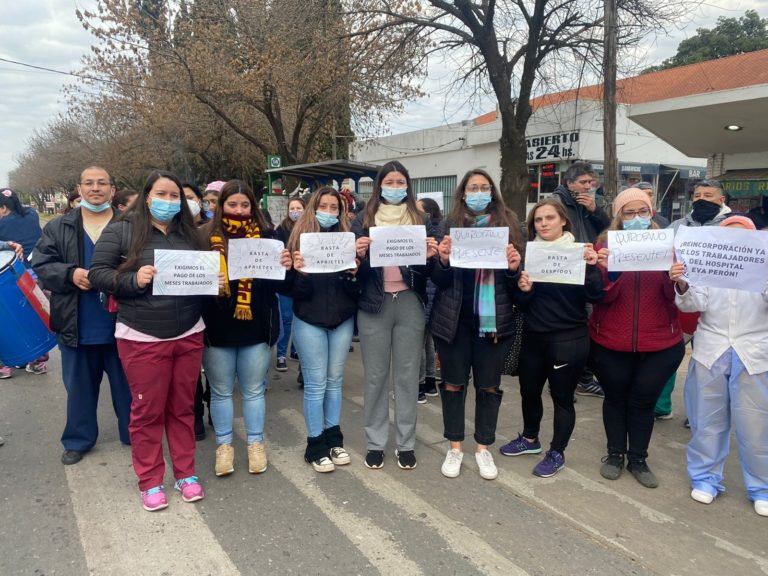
[(610, 161)]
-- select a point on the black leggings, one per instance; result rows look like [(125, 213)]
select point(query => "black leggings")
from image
[(632, 382), (560, 362)]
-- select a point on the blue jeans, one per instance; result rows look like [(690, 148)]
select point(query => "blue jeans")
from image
[(250, 365), (322, 354), (286, 321)]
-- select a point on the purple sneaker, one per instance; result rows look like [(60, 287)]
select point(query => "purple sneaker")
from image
[(551, 464), (521, 446)]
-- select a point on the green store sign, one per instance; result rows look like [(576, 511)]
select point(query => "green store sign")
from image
[(745, 187)]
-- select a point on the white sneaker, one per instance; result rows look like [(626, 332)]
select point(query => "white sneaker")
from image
[(761, 507), (339, 456), (703, 497), (485, 464), (452, 465), (323, 465)]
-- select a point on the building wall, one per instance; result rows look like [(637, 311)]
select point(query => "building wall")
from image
[(745, 161), (458, 147)]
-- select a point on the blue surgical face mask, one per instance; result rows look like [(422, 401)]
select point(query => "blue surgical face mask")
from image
[(92, 207), (164, 210), (326, 220), (394, 195), (478, 201), (637, 223)]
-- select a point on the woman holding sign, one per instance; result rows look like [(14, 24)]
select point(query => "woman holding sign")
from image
[(242, 324), (324, 306), (637, 344), (159, 338), (727, 381), (473, 319), (391, 319), (555, 344)]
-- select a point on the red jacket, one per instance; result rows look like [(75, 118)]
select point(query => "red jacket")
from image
[(637, 313)]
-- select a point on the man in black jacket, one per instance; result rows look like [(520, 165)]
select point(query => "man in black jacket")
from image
[(588, 219), (84, 327)]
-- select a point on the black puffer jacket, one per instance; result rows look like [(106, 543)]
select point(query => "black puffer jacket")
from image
[(586, 225), (372, 279), (324, 300), (58, 252), (448, 301), (159, 316)]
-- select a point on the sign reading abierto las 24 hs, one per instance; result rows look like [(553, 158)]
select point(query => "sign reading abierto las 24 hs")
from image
[(563, 145)]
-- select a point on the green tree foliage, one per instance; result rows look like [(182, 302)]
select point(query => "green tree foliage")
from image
[(731, 36)]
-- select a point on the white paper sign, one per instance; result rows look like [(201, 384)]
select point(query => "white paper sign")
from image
[(723, 257), (436, 196), (397, 246), (479, 248), (186, 273), (255, 258), (555, 262), (277, 206), (327, 251), (633, 250)]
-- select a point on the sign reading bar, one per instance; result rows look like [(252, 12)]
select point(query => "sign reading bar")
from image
[(723, 257), (634, 250), (255, 258), (327, 252), (398, 246), (555, 262), (186, 273), (479, 248)]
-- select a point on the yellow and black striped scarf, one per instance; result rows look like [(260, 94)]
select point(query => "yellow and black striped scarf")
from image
[(236, 228)]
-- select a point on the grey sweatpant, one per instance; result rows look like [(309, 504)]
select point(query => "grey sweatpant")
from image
[(394, 336)]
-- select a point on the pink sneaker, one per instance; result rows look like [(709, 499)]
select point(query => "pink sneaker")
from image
[(5, 372), (190, 488), (154, 499)]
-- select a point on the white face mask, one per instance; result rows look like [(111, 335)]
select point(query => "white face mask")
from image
[(194, 207)]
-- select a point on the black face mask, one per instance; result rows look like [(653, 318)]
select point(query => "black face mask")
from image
[(704, 211)]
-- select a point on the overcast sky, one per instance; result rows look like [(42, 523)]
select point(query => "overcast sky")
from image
[(47, 33)]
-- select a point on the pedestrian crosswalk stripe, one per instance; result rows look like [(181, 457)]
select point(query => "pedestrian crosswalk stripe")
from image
[(461, 539), (375, 543), (119, 537)]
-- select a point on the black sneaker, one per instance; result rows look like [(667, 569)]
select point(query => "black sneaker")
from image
[(282, 365), (374, 459), (422, 398), (294, 356), (687, 424), (643, 474), (300, 380), (70, 457), (406, 459), (613, 464)]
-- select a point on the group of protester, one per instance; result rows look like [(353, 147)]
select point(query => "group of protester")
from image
[(98, 264)]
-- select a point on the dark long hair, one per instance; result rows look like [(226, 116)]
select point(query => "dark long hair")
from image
[(287, 223), (230, 189), (432, 209), (462, 217), (141, 222), (10, 200), (308, 222), (369, 219)]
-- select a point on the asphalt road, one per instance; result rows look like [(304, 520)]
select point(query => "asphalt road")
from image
[(87, 518)]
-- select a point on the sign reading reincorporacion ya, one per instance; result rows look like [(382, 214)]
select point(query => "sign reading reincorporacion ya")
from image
[(547, 147)]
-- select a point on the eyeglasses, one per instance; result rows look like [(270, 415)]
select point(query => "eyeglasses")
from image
[(475, 189), (95, 184), (629, 214)]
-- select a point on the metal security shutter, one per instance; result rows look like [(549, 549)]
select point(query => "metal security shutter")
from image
[(444, 184)]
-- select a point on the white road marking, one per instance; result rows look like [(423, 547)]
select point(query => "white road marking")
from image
[(120, 537)]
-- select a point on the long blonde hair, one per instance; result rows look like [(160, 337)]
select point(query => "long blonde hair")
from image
[(308, 222)]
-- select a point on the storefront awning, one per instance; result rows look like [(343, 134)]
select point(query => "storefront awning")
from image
[(744, 183)]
